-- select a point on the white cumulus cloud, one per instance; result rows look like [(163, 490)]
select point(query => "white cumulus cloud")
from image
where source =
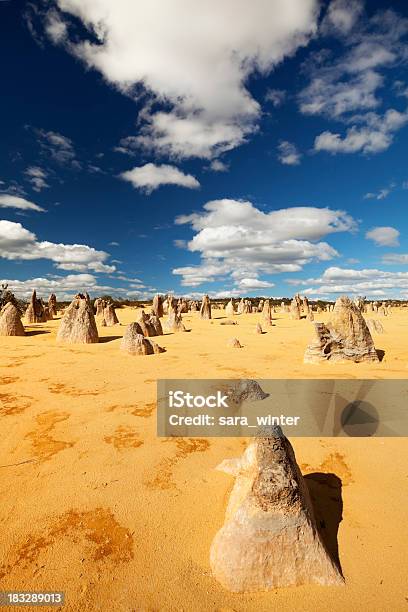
[(384, 236), (237, 239), (151, 176), (192, 59), (18, 243)]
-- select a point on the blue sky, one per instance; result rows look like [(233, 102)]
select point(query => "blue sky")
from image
[(235, 148)]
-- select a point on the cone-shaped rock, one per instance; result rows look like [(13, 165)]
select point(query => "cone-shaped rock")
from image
[(229, 309), (245, 389), (267, 313), (258, 329), (78, 324), (205, 310), (174, 322), (134, 342), (10, 321), (295, 308), (157, 307), (52, 305), (35, 312), (346, 337), (110, 316), (269, 538), (99, 305), (234, 343)]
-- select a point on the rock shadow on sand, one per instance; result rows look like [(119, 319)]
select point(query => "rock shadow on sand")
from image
[(325, 490), (106, 339), (37, 332)]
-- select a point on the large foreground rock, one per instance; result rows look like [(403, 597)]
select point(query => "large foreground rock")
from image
[(78, 324), (269, 538), (346, 337), (10, 321)]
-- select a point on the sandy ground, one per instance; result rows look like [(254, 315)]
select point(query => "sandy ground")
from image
[(93, 503)]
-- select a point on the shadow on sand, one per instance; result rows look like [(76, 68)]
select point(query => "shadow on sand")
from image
[(325, 493), (109, 339), (37, 332), (380, 354)]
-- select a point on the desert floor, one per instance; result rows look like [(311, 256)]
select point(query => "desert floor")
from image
[(93, 503)]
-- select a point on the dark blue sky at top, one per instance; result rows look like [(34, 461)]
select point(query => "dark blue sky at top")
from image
[(45, 88)]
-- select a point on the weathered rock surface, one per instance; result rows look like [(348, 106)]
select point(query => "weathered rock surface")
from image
[(134, 342), (52, 305), (295, 307), (205, 310), (78, 324), (375, 326), (157, 307), (269, 538), (109, 314), (267, 313), (245, 389), (346, 337), (35, 312), (10, 321), (258, 329), (228, 322), (174, 322), (229, 309)]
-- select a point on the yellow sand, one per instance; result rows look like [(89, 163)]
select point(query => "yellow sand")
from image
[(93, 503)]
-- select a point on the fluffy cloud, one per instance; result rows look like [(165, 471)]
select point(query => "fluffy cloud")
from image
[(384, 236), (18, 243), (254, 283), (13, 201), (340, 88), (235, 238), (374, 136), (370, 282), (162, 49), (288, 153), (151, 176), (37, 177)]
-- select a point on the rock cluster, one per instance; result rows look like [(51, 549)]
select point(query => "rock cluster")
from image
[(269, 538), (135, 343), (78, 324), (35, 312), (346, 337), (150, 325)]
